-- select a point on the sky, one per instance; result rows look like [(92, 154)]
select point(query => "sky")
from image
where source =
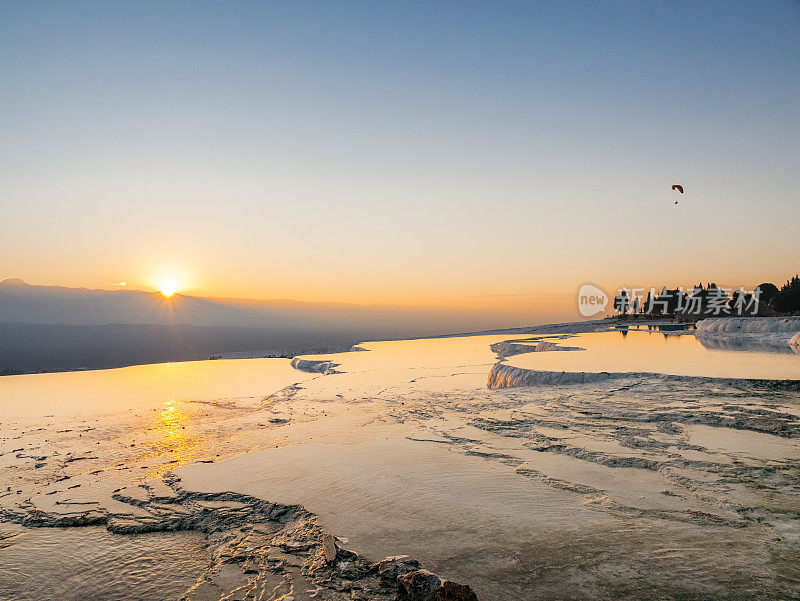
[(450, 153)]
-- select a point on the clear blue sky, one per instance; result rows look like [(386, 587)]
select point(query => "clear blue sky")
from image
[(410, 152)]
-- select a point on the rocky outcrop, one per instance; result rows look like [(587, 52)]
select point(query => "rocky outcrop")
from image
[(509, 348), (450, 591), (259, 550), (315, 366), (422, 585), (418, 585), (744, 331), (392, 567), (508, 376)]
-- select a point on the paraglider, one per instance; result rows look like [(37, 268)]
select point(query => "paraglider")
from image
[(679, 188)]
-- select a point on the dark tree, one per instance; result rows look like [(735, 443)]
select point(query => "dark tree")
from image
[(788, 299), (767, 292), (676, 299), (738, 299), (621, 302)]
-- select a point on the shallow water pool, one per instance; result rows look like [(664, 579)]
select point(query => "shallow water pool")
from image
[(655, 352), (74, 564)]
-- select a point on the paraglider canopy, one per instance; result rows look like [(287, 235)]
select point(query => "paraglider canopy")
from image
[(678, 188)]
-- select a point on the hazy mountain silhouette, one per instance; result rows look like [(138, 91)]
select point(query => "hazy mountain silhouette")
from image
[(45, 328), (25, 303)]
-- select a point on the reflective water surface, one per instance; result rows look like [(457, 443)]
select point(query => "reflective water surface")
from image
[(105, 391), (77, 564), (652, 352)]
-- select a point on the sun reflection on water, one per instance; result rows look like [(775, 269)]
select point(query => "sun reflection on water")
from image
[(173, 442)]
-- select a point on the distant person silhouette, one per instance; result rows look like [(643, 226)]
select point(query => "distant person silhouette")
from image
[(679, 188)]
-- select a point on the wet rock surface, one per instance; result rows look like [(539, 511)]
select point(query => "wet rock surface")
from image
[(533, 345), (392, 567), (314, 366), (260, 550), (509, 376), (451, 591), (422, 585), (747, 332), (418, 585)]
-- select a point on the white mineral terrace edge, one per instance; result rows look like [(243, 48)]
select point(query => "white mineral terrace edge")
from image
[(599, 356)]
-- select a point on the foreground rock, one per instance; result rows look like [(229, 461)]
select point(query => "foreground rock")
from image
[(418, 585), (392, 567), (422, 585), (450, 591), (260, 550)]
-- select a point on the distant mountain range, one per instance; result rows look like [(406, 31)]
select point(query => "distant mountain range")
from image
[(25, 303), (48, 328)]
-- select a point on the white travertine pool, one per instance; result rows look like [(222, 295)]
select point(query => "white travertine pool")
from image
[(655, 352)]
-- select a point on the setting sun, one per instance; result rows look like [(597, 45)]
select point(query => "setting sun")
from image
[(168, 287)]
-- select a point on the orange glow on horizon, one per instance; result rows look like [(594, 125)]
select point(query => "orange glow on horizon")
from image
[(168, 287)]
